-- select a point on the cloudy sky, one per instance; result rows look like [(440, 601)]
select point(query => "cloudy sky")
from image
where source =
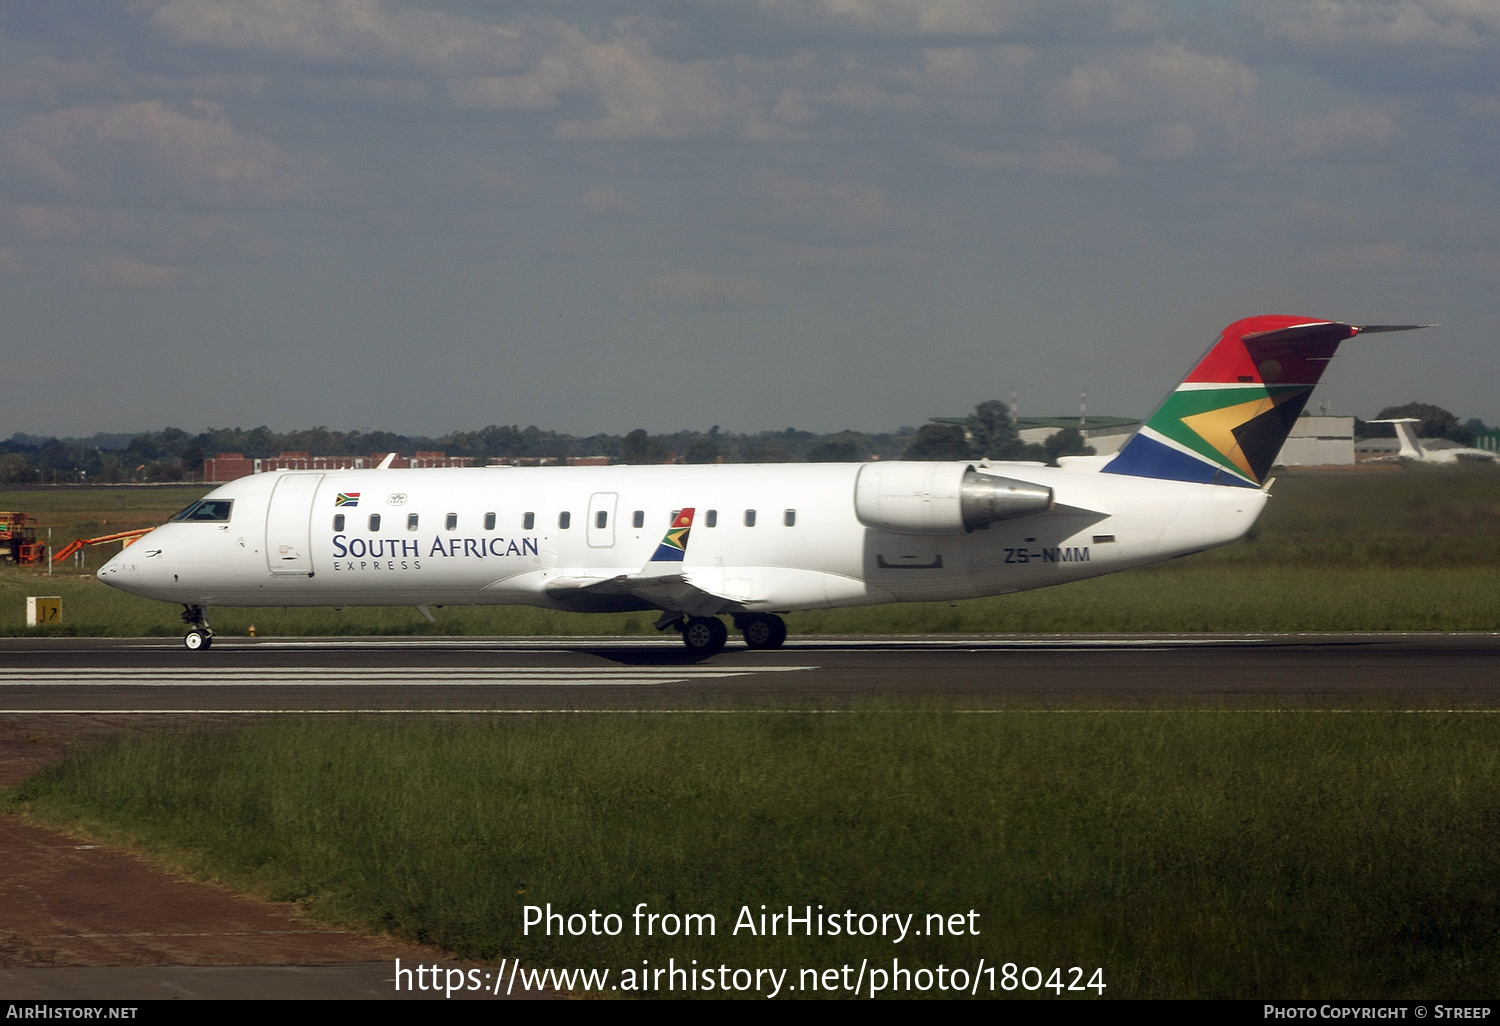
[(595, 216)]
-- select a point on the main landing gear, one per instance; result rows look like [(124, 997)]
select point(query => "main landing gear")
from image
[(706, 635), (761, 630), (201, 635)]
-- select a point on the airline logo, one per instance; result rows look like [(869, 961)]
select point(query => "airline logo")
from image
[(1226, 423), (674, 545), (347, 499)]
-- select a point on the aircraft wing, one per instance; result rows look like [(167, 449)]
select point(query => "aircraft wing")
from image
[(673, 592), (661, 582)]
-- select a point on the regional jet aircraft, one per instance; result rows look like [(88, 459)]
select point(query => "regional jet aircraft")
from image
[(749, 541)]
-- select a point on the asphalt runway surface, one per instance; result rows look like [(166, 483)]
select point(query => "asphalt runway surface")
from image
[(242, 676)]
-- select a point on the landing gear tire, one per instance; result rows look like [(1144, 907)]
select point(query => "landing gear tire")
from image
[(764, 631), (704, 635), (200, 635)]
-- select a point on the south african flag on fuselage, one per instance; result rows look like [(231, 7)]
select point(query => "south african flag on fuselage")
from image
[(347, 499)]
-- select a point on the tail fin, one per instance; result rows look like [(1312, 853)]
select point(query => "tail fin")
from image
[(1227, 421), (1411, 449)]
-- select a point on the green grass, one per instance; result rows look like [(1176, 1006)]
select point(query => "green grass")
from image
[(1392, 548), (1189, 853)]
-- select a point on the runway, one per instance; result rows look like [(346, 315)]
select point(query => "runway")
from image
[(495, 675)]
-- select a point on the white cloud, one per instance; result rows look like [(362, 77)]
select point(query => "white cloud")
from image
[(134, 152), (641, 95), (689, 287), (849, 207), (962, 17), (1169, 142), (1050, 156), (1160, 83), (345, 30), (1349, 132), (1456, 24), (127, 272)]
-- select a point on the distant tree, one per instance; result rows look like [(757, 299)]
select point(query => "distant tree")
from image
[(938, 442), (843, 451), (994, 432), (634, 447), (703, 450), (15, 468), (763, 450), (1067, 442)]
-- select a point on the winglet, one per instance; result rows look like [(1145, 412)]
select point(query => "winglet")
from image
[(673, 545), (385, 464)]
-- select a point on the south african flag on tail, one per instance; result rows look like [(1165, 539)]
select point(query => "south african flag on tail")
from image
[(1225, 424)]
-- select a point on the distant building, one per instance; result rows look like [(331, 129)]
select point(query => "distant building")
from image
[(1319, 442), (1105, 434), (230, 466)]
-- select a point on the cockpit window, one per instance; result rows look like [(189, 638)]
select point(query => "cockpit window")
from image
[(209, 510)]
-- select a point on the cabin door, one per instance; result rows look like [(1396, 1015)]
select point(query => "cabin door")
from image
[(602, 519), (289, 525)]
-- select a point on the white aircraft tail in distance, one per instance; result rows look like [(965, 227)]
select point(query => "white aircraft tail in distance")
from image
[(1411, 447), (749, 541)]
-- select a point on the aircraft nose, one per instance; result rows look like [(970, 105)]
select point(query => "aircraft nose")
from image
[(121, 572)]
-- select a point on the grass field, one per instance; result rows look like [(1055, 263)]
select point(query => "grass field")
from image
[(1393, 548), (1195, 853)]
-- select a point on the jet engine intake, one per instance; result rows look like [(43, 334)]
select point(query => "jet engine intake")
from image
[(940, 498)]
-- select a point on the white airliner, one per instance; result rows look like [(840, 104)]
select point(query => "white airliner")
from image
[(1442, 452), (765, 539)]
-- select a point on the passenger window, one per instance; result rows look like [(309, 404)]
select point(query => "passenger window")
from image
[(601, 519), (489, 521), (749, 518), (528, 522), (564, 521), (711, 518), (638, 518), (374, 522), (452, 522), (789, 518), (411, 521), (338, 522)]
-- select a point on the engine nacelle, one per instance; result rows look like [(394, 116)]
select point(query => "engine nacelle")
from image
[(940, 498)]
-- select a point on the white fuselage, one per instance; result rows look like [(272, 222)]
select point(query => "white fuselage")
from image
[(462, 536)]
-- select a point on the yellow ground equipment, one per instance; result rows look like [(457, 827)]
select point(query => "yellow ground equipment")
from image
[(18, 542)]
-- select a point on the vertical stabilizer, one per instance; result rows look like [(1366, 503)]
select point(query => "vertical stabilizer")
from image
[(1227, 421), (1411, 448)]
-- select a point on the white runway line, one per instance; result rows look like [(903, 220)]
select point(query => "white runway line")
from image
[(317, 676)]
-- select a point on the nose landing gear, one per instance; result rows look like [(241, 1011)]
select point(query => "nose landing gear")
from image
[(201, 635)]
